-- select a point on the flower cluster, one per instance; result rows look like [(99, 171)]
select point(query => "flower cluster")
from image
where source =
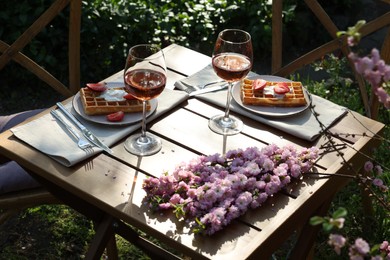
[(376, 72), (360, 249), (376, 172), (371, 67), (211, 191)]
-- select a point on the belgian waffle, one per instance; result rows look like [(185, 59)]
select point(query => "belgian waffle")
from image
[(295, 98), (95, 105)]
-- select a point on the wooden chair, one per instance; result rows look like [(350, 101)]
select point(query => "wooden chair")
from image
[(13, 202), (371, 106), (12, 52)]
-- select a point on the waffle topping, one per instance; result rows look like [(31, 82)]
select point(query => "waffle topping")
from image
[(101, 86), (267, 93)]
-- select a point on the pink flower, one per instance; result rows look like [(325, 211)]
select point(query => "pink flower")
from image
[(268, 165), (351, 41), (210, 195), (252, 169), (243, 200), (232, 213), (368, 166), (385, 248), (378, 170), (383, 97), (377, 182), (376, 72), (295, 170), (165, 206), (364, 65), (338, 222), (280, 171), (271, 188), (261, 198), (359, 249), (175, 199), (260, 185), (337, 241), (191, 193)]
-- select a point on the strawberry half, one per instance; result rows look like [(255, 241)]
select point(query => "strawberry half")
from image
[(116, 117), (129, 97), (281, 88), (100, 87), (259, 84)]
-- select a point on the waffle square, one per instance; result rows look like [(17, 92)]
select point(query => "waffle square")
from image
[(295, 98), (95, 105)]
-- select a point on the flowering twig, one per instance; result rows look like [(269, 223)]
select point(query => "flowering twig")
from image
[(211, 191)]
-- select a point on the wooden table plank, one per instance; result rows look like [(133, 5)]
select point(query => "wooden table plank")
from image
[(184, 60)]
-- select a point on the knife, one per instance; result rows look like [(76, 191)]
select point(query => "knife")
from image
[(207, 90), (88, 134)]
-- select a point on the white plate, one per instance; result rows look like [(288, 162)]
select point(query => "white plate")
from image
[(270, 111), (129, 118)]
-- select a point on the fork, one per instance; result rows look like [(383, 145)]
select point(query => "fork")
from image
[(81, 141), (190, 88)]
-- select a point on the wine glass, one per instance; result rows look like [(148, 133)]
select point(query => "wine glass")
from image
[(145, 78), (232, 60)]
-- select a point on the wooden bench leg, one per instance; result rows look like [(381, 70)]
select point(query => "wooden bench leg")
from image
[(111, 249), (104, 235)]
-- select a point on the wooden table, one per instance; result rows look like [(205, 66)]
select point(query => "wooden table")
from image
[(110, 193)]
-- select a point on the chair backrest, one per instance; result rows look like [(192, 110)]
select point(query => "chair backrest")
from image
[(371, 106), (13, 51)]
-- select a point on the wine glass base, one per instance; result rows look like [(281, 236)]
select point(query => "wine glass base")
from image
[(225, 126), (143, 146)]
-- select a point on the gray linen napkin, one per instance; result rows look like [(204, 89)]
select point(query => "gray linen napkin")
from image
[(198, 80), (303, 125), (48, 136)]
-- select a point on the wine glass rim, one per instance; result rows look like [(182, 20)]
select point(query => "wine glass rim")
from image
[(238, 30), (158, 53)]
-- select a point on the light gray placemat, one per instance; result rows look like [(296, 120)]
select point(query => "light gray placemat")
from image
[(48, 136)]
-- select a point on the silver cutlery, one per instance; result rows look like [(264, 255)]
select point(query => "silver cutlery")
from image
[(87, 134), (81, 141), (207, 90), (192, 88)]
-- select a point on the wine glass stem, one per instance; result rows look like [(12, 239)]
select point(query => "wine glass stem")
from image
[(143, 129), (227, 109)]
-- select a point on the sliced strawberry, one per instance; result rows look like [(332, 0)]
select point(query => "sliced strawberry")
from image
[(116, 117), (100, 87), (259, 84), (281, 88), (129, 97)]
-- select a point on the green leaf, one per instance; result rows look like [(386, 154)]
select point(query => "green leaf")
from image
[(316, 220), (327, 226), (339, 213)]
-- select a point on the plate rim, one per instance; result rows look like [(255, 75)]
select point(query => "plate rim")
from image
[(254, 109), (76, 98)]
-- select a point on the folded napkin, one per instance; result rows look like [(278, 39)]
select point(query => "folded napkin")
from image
[(49, 136), (303, 125), (198, 80)]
